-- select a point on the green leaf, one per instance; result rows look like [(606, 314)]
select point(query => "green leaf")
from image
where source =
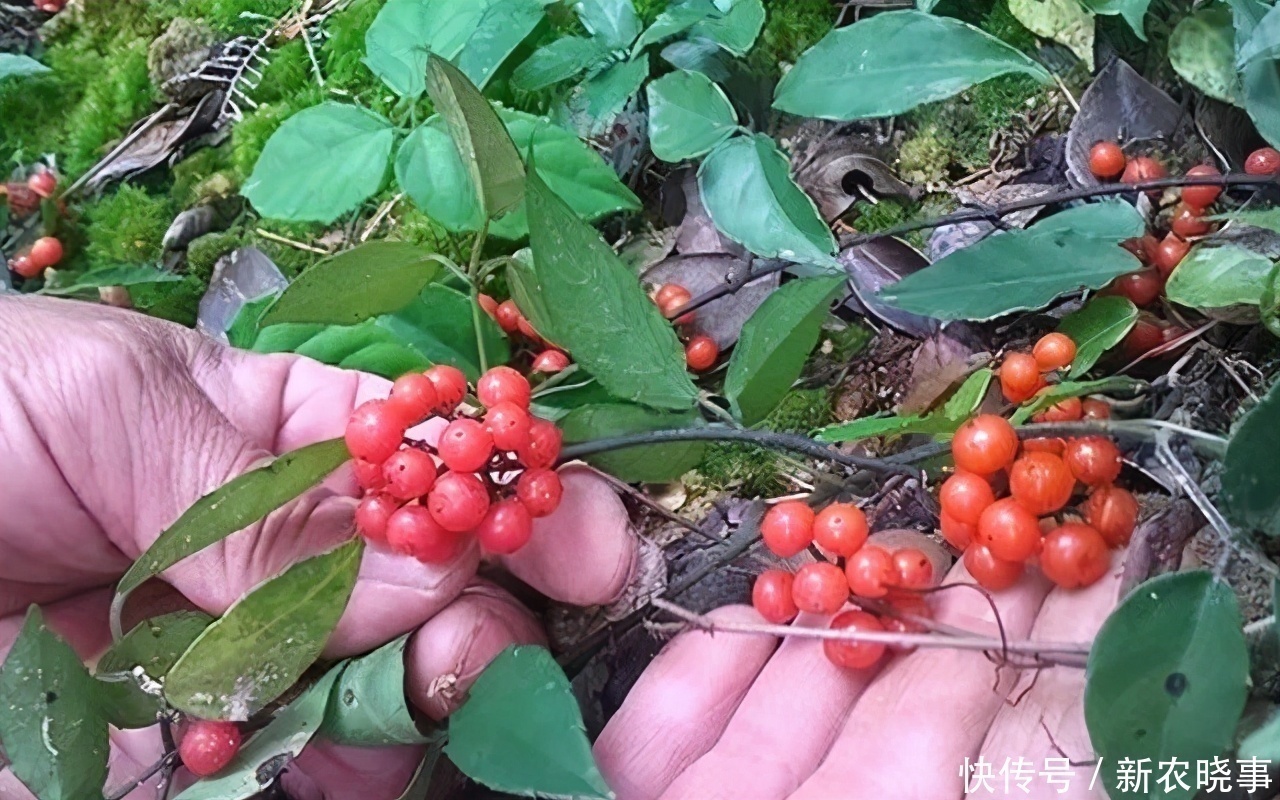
[(747, 189), (927, 6), (367, 347), (521, 707), (775, 343), (1024, 269), (943, 422), (112, 276), (16, 66), (1166, 677), (266, 640), (1260, 79), (1201, 50), (676, 20), (153, 645), (647, 464), (968, 397), (321, 163), (1250, 481), (367, 280), (1263, 42), (1133, 11), (504, 25), (262, 758), (1268, 218), (737, 29), (892, 62), (564, 58), (688, 116), (1218, 277), (54, 733), (596, 102), (439, 325), (432, 173), (601, 314), (1058, 392), (1066, 22), (613, 21), (232, 507), (1099, 326), (482, 141), (368, 705), (1269, 303)]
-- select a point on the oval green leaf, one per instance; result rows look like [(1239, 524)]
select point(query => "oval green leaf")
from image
[(521, 732), (434, 176), (1024, 269), (1166, 677), (1218, 277), (1269, 303), (747, 189), (1096, 328), (367, 280), (367, 347), (647, 464), (775, 343), (1133, 11), (1202, 51), (266, 640), (892, 62), (597, 101), (561, 60), (368, 706), (155, 644), (111, 276), (688, 116), (736, 28), (1056, 393), (599, 312), (1260, 79), (1250, 480), (676, 20), (406, 32), (504, 25), (321, 163), (1066, 22), (613, 21)]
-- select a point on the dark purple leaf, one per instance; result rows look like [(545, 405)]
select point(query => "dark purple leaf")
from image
[(877, 264), (720, 319)]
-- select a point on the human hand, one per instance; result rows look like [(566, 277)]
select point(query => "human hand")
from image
[(729, 715), (112, 424)]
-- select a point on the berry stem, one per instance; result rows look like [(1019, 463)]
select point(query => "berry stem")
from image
[(165, 761), (473, 273)]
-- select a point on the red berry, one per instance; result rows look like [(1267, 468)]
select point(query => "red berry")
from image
[(1188, 221), (503, 385), (870, 572), (1141, 169), (771, 596), (508, 316), (671, 293), (43, 183), (912, 569), (506, 528), (984, 445), (410, 474), (1094, 460), (676, 298), (22, 200), (459, 501), (991, 572), (369, 475), (208, 746), (465, 445), (819, 588), (526, 328), (701, 353), (540, 490), (840, 528), (1009, 531), (46, 252), (413, 397), (1068, 409), (958, 534), (1112, 512), (487, 304), (543, 447), (1020, 378), (853, 654), (964, 496), (508, 423), (373, 432), (1264, 161), (1106, 160), (787, 528), (1143, 336), (1041, 483), (1074, 556), (1052, 445), (372, 515), (1141, 287), (1201, 197), (451, 387), (1169, 254), (24, 266), (1054, 351), (550, 362), (1095, 409), (413, 531)]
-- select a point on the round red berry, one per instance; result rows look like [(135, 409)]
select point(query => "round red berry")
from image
[(550, 362), (465, 445), (1141, 287), (771, 596), (964, 496), (46, 252), (528, 331), (508, 316), (1201, 197), (984, 445), (958, 534), (1095, 409), (1054, 351), (1112, 512), (543, 447), (787, 528), (409, 473), (451, 387), (413, 531), (912, 569), (508, 424), (1169, 254), (413, 397), (1041, 483), (669, 293), (369, 475), (675, 300), (1020, 378), (458, 501), (870, 572), (372, 515), (503, 385), (701, 353), (853, 654), (1011, 532), (488, 305), (506, 528), (1188, 221), (1068, 409), (819, 588), (1106, 160), (208, 746), (1094, 460), (840, 528), (1143, 337), (1074, 556), (43, 183), (1141, 169), (1052, 445), (373, 432), (24, 266), (540, 490), (991, 572), (1264, 161)]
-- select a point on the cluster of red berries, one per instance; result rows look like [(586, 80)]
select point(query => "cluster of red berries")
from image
[(700, 350), (513, 322), (24, 199), (869, 572), (999, 535), (208, 745), (489, 475)]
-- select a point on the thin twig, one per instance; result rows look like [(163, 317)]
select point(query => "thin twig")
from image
[(147, 775), (275, 237), (653, 505), (147, 125), (380, 216)]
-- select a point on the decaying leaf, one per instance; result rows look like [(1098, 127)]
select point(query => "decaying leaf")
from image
[(840, 176), (720, 319), (939, 364), (876, 264), (987, 193)]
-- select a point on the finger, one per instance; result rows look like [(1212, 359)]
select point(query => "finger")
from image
[(911, 709), (680, 706), (782, 728), (328, 771), (450, 651), (81, 621), (585, 552), (1047, 721)]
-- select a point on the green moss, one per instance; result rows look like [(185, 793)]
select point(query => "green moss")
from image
[(964, 124), (178, 302), (203, 253), (846, 343), (236, 17), (205, 174), (127, 227), (751, 471), (790, 28), (926, 156)]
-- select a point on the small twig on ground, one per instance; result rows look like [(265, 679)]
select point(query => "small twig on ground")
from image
[(380, 216), (275, 237), (150, 772)]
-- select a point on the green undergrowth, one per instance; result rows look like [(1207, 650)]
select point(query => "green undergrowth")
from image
[(790, 28)]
